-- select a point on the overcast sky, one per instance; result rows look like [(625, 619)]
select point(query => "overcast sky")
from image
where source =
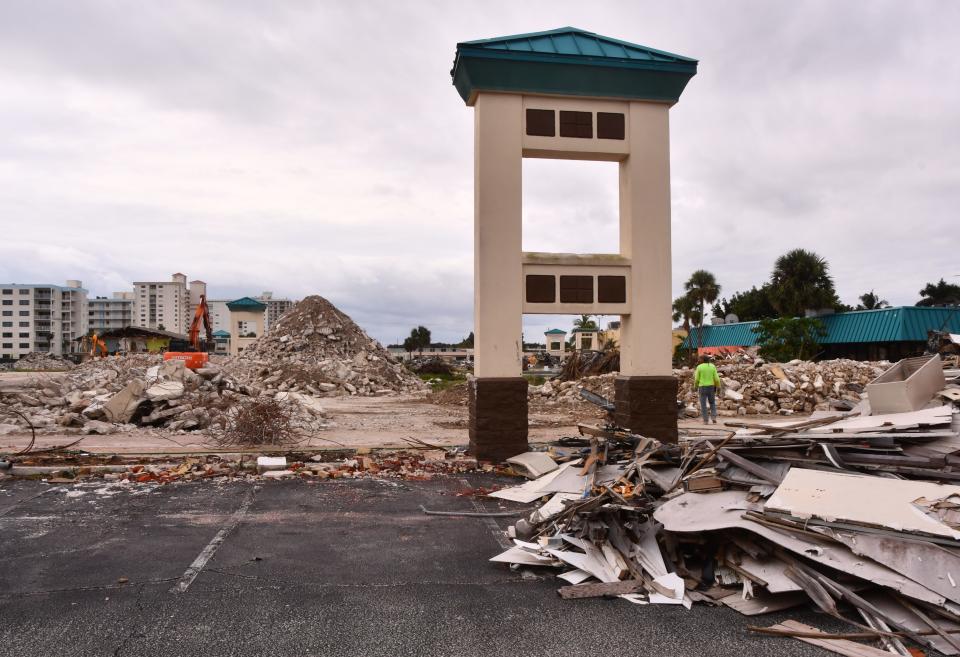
[(320, 148)]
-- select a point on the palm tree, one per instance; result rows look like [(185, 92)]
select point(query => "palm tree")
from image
[(685, 310), (702, 288), (801, 280), (584, 323), (939, 294), (872, 301)]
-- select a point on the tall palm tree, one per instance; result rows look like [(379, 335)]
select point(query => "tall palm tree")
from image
[(584, 322), (685, 310), (939, 294), (702, 287), (801, 281), (872, 301)]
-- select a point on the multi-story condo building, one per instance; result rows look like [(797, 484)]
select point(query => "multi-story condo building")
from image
[(42, 317), (166, 305), (275, 308), (106, 314)]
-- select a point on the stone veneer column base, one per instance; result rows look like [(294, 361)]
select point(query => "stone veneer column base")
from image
[(498, 417), (647, 405)]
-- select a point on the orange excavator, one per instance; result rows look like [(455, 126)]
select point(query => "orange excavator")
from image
[(193, 350), (96, 344)]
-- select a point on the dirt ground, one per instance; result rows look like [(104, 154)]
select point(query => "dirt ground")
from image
[(358, 422)]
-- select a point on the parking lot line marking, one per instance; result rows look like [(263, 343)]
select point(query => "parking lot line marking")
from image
[(207, 553), (499, 535)]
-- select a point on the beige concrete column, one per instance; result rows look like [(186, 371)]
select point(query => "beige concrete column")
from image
[(646, 345), (497, 245)]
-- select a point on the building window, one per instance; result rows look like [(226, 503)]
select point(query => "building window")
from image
[(23, 335), (576, 289), (7, 324), (24, 313), (8, 335), (610, 125), (24, 302), (8, 291), (24, 345), (541, 288), (25, 291), (554, 346), (576, 124), (8, 313), (8, 302), (586, 343), (541, 123), (24, 324)]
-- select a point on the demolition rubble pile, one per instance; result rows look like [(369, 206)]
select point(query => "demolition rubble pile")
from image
[(751, 388), (856, 514), (797, 386), (316, 349), (409, 465), (36, 361), (108, 395)]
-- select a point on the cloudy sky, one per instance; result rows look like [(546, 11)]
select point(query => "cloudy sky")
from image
[(318, 147)]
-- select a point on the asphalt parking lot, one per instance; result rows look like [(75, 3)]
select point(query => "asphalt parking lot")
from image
[(336, 567)]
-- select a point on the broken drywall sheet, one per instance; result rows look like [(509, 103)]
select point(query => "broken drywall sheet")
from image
[(552, 507), (861, 499), (696, 513), (533, 465), (934, 566), (521, 556), (532, 490)]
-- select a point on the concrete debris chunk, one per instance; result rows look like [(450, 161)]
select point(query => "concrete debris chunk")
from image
[(165, 391), (267, 463)]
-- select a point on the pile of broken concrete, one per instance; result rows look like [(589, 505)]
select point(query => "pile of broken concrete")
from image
[(750, 388), (37, 361), (120, 393), (794, 387), (316, 349)]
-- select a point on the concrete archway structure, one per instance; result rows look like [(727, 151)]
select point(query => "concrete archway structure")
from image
[(570, 94)]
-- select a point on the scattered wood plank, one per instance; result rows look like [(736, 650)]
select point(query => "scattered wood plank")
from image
[(838, 646), (600, 589)]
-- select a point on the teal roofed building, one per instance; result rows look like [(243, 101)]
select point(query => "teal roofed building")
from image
[(246, 303), (221, 341), (570, 62), (884, 334)]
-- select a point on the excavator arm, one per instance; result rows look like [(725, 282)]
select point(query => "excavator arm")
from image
[(201, 316)]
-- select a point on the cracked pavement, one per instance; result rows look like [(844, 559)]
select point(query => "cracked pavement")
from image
[(345, 567)]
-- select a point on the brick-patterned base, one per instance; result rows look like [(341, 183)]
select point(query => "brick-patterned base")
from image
[(498, 417), (647, 405)]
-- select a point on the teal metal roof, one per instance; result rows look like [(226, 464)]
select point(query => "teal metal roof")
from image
[(901, 324), (555, 332), (246, 303), (570, 62), (220, 333)]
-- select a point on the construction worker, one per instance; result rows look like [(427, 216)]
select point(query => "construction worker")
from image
[(706, 380)]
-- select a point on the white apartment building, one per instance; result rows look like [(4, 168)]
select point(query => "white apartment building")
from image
[(166, 305), (275, 308), (105, 314), (42, 317)]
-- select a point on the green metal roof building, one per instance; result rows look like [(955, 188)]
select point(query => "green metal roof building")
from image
[(888, 333)]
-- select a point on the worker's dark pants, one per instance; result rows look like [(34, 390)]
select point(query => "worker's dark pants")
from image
[(708, 395)]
